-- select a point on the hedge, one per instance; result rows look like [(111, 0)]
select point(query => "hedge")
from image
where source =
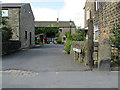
[(68, 46)]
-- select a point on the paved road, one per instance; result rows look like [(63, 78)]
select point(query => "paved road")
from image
[(49, 66), (44, 58)]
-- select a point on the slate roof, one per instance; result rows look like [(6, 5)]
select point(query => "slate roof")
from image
[(61, 24), (13, 5)]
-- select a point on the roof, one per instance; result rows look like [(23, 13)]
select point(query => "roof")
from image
[(13, 5), (62, 24)]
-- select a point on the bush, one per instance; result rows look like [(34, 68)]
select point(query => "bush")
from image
[(6, 30), (57, 34), (67, 34), (59, 41), (78, 37), (115, 37), (6, 33), (68, 46)]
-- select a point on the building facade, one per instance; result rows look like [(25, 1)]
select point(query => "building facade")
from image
[(64, 26), (21, 19), (105, 15)]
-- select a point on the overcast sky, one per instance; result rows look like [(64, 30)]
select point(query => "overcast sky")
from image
[(49, 10)]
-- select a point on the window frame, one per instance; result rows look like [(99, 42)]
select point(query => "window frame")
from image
[(97, 5), (96, 32), (6, 11), (25, 34)]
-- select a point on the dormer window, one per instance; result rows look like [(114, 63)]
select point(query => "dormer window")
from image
[(4, 13)]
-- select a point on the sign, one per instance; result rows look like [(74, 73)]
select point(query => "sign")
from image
[(77, 50)]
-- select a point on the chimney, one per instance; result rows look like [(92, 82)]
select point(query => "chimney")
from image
[(57, 19)]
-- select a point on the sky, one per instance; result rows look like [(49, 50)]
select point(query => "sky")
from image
[(50, 10)]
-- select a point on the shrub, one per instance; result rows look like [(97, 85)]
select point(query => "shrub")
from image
[(68, 46), (78, 37), (6, 30), (67, 34), (57, 34), (59, 41), (115, 37)]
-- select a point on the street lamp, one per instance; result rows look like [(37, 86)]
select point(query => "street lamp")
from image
[(70, 26)]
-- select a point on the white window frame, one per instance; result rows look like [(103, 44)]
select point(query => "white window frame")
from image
[(4, 13), (96, 33)]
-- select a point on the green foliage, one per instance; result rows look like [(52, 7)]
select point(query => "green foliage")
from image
[(6, 30), (68, 46), (115, 37), (59, 41), (115, 57), (4, 21), (57, 34), (67, 34), (83, 49), (79, 35), (47, 30)]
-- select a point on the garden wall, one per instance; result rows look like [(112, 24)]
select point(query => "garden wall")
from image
[(82, 57), (79, 45), (10, 46)]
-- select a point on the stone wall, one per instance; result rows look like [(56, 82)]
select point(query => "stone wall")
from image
[(79, 45), (108, 15), (83, 56), (64, 30), (13, 20), (88, 6), (27, 24), (105, 17), (0, 43), (10, 46), (21, 19)]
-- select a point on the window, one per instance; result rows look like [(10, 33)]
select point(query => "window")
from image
[(25, 34), (96, 5), (88, 14), (96, 33), (4, 13)]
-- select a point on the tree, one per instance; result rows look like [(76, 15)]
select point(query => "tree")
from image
[(79, 35), (6, 30), (48, 31)]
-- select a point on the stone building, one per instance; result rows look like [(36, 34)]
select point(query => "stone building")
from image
[(64, 26), (21, 19), (104, 14)]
